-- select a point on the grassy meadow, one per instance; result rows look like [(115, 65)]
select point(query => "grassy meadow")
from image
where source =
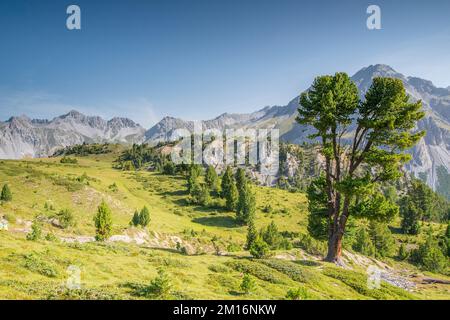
[(212, 264)]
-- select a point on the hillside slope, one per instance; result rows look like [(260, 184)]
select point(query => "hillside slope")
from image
[(211, 264)]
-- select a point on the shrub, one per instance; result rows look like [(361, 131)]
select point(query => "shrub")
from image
[(66, 218), (259, 249), (292, 270), (181, 249), (219, 268), (6, 194), (297, 294), (51, 237), (169, 168), (267, 208), (311, 245), (233, 247), (160, 286), (285, 244), (103, 222), (68, 160), (35, 233), (248, 284), (34, 263), (256, 269), (113, 187)]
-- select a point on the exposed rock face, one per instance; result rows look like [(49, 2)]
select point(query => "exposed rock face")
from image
[(431, 155), (22, 137)]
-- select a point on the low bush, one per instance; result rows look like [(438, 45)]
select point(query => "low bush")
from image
[(257, 270)]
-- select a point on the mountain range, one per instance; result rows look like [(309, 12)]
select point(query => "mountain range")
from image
[(20, 136)]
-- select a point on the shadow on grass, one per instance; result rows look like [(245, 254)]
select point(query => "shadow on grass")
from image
[(174, 193), (217, 221), (136, 289), (396, 230), (167, 250), (235, 293)]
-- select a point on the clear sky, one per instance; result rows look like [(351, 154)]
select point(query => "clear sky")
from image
[(196, 59)]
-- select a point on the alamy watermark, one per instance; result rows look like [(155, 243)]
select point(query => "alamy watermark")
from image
[(374, 20), (73, 281), (73, 21), (373, 277), (233, 147)]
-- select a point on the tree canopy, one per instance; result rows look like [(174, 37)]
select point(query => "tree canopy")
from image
[(364, 143)]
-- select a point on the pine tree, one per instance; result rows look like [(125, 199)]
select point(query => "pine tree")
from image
[(241, 179), (212, 179), (200, 194), (259, 249), (429, 255), (272, 236), (382, 239), (161, 285), (144, 217), (411, 217), (227, 181), (246, 205), (248, 284), (35, 233), (252, 234), (103, 222), (363, 243), (382, 125), (6, 194), (403, 254), (135, 220), (229, 190), (194, 173), (232, 198)]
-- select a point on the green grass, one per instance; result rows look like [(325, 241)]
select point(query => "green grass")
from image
[(39, 269)]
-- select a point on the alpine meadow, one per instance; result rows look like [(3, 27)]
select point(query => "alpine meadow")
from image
[(135, 163)]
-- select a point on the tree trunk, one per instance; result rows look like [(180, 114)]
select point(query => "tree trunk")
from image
[(334, 248)]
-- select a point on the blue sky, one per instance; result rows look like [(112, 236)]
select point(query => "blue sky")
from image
[(196, 59)]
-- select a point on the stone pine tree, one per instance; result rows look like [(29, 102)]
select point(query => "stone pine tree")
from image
[(252, 234), (415, 206), (212, 179), (229, 190), (103, 222), (241, 179), (194, 173), (246, 206), (6, 194), (380, 128), (144, 217), (135, 220)]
